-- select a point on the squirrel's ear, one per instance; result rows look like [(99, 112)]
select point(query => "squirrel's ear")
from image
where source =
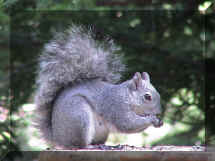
[(146, 76), (136, 81)]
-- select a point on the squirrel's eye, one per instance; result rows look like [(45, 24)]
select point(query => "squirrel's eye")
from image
[(148, 97)]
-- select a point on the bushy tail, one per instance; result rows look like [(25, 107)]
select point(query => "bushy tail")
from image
[(71, 57)]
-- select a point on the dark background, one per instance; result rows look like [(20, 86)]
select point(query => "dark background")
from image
[(174, 42)]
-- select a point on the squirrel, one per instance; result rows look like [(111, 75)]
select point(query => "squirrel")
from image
[(79, 99)]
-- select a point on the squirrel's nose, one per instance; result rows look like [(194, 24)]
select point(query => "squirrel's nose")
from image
[(157, 109)]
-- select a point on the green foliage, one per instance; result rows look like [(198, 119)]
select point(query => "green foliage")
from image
[(169, 43)]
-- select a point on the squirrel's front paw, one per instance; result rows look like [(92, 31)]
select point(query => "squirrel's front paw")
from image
[(153, 119), (157, 122)]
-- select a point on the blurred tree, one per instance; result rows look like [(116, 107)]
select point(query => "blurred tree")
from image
[(169, 43)]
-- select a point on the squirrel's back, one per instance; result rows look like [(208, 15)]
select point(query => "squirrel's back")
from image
[(69, 58)]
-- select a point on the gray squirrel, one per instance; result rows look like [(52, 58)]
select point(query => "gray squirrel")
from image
[(79, 100)]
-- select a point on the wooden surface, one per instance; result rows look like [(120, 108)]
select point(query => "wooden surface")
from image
[(130, 153)]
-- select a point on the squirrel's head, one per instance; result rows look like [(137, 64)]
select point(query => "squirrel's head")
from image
[(144, 97)]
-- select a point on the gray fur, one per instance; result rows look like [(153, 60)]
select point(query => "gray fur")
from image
[(78, 101)]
